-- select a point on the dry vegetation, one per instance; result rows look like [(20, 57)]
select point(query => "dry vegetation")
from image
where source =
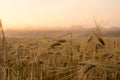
[(61, 58)]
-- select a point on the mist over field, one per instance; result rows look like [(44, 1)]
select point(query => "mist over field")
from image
[(77, 31)]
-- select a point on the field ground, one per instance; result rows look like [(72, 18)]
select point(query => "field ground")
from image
[(60, 59)]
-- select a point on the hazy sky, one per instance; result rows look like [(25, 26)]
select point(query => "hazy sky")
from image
[(19, 14)]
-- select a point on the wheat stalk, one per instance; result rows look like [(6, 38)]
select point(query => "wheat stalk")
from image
[(2, 31)]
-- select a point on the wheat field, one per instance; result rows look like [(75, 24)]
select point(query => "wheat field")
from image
[(60, 58)]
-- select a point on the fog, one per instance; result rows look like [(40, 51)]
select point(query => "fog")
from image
[(76, 30)]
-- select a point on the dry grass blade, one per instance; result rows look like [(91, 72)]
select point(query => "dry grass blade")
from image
[(101, 41), (2, 31), (62, 41), (107, 56), (89, 39), (67, 34), (87, 68)]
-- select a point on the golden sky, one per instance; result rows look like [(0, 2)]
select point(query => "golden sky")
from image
[(24, 14)]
